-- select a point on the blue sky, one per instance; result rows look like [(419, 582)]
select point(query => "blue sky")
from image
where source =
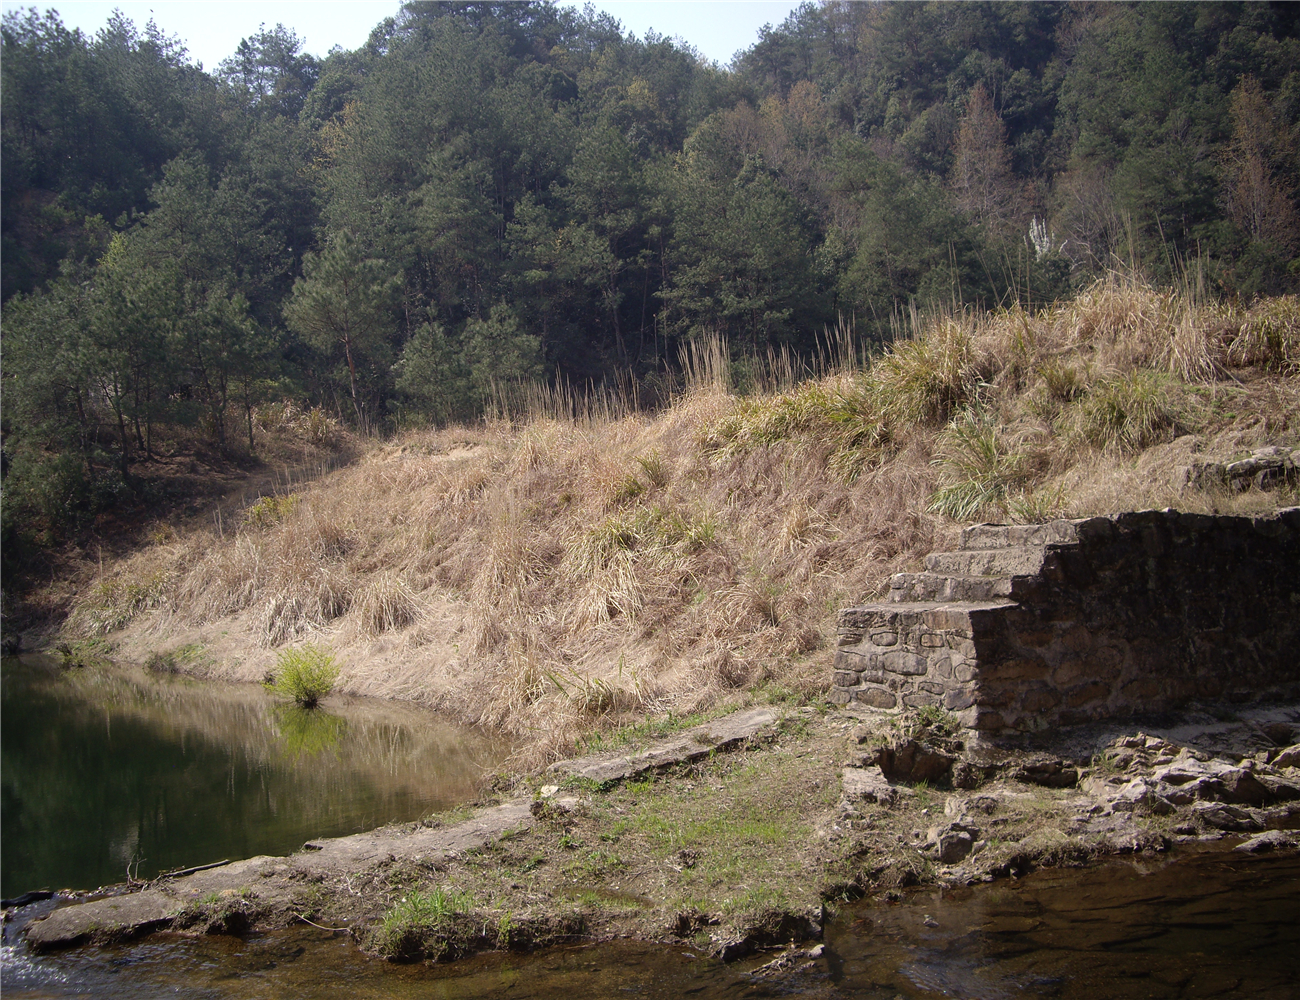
[(211, 30)]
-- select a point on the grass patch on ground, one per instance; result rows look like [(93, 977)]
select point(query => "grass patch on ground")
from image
[(720, 849)]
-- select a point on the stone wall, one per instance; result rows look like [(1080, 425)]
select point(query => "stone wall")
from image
[(1026, 627)]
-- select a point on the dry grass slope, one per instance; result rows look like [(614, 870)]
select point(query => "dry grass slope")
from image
[(552, 574)]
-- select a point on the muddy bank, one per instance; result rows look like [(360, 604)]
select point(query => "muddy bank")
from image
[(739, 833)]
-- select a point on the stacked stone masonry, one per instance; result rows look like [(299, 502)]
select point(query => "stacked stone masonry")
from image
[(1030, 626)]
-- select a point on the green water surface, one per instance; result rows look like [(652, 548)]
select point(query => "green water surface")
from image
[(105, 767)]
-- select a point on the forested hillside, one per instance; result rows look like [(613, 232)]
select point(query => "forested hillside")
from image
[(493, 192)]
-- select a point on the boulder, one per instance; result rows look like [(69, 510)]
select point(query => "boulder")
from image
[(910, 760)]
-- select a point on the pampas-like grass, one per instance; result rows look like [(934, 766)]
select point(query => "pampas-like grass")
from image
[(546, 574)]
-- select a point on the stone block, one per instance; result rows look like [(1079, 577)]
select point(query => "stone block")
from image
[(845, 678), (1142, 691), (839, 696), (884, 638), (1070, 671), (920, 699), (1141, 610), (902, 662), (1076, 638), (983, 719), (849, 659), (1087, 694), (875, 698), (1041, 699), (960, 644), (1023, 669)]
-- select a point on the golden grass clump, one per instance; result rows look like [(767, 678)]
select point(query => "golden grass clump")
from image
[(586, 564)]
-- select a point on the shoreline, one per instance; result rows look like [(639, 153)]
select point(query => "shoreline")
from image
[(739, 834)]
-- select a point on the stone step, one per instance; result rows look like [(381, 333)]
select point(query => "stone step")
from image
[(1023, 560), (1009, 536), (910, 655), (946, 588)]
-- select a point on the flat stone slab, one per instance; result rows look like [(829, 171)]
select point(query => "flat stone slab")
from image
[(689, 744), (131, 915), (869, 784)]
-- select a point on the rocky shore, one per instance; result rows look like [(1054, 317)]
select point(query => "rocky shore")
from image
[(739, 833)]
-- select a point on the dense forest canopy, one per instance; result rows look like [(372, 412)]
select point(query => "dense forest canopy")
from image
[(487, 192)]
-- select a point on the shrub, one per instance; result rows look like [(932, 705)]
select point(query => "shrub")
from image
[(306, 674), (269, 510), (1270, 336), (1130, 412)]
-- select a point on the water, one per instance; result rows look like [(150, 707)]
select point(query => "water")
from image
[(1215, 924), (1212, 924), (105, 767)]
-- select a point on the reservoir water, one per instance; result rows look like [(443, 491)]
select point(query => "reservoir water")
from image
[(1211, 924), (102, 768), (105, 767)]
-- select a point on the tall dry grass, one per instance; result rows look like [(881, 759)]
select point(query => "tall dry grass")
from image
[(570, 564)]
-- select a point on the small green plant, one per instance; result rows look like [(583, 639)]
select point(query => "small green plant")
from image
[(305, 673), (416, 915), (266, 511), (655, 468), (505, 926), (937, 720)]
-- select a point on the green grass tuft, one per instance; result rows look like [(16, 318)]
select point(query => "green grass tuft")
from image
[(305, 673)]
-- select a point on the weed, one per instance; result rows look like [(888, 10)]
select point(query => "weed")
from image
[(418, 914), (306, 674), (627, 488), (387, 605), (1036, 506), (1269, 336), (655, 469), (115, 603), (270, 510), (1062, 380), (83, 652), (172, 661), (1130, 411), (976, 459)]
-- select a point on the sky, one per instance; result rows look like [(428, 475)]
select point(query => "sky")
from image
[(211, 30)]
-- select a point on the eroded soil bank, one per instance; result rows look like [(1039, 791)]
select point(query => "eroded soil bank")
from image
[(738, 833)]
